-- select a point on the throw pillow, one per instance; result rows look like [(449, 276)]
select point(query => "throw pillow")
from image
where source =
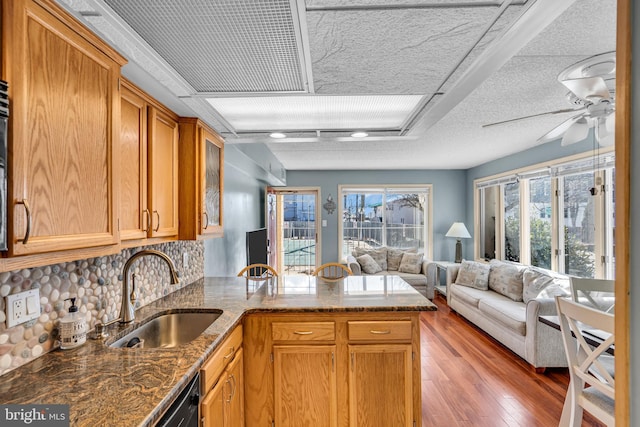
[(394, 258), (411, 263), (379, 255), (368, 264), (473, 274), (506, 278), (538, 283)]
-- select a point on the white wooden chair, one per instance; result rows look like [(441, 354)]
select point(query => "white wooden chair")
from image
[(595, 293), (591, 385)]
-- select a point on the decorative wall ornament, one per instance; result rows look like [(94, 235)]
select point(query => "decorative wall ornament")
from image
[(329, 205)]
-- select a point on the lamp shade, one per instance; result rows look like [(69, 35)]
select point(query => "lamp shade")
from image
[(459, 231)]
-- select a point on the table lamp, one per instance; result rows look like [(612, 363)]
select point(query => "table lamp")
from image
[(459, 231)]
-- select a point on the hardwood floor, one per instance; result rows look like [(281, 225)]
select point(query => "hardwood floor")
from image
[(469, 379)]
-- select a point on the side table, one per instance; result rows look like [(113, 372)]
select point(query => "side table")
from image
[(450, 270)]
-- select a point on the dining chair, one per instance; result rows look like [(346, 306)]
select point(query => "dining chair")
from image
[(591, 384), (332, 271), (595, 293), (258, 271)]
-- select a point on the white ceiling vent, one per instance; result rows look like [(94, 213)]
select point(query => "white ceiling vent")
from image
[(222, 46)]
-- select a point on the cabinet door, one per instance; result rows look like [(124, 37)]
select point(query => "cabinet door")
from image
[(163, 173), (305, 386), (380, 385), (64, 95), (234, 415), (212, 407), (134, 216), (212, 185)]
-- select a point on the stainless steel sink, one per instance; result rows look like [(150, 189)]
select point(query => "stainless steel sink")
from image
[(169, 330)]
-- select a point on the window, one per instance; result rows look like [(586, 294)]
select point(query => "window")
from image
[(391, 216), (540, 222), (557, 216)]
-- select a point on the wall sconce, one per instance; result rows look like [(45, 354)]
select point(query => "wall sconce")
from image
[(459, 231), (329, 205)]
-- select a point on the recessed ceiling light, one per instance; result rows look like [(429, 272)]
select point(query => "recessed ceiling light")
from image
[(277, 135), (359, 134)]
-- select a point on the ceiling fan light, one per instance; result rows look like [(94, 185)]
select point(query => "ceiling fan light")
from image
[(277, 135), (576, 132), (610, 123)]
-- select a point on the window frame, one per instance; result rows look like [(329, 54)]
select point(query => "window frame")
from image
[(604, 206), (428, 223)]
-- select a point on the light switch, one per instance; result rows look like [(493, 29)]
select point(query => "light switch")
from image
[(33, 305), (324, 222)]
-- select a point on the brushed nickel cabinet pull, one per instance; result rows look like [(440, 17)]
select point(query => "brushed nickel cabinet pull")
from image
[(148, 214), (231, 353), (158, 227), (206, 221), (385, 332), (303, 332), (28, 212)]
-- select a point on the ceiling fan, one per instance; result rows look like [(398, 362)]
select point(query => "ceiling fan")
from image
[(591, 84)]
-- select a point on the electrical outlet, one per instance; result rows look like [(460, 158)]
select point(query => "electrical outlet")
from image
[(22, 307), (185, 260)]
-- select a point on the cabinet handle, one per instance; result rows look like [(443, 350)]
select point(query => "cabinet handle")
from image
[(233, 385), (303, 332), (158, 227), (28, 212), (385, 332), (228, 382), (206, 221), (148, 214), (231, 353)]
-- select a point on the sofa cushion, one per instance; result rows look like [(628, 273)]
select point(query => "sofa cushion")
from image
[(394, 258), (467, 294), (368, 264), (503, 309), (539, 283), (473, 274), (411, 263), (506, 278), (412, 279), (379, 255)]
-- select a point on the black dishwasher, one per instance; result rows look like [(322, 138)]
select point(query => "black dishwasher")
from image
[(184, 411)]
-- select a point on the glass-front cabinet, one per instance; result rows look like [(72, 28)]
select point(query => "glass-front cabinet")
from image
[(201, 180)]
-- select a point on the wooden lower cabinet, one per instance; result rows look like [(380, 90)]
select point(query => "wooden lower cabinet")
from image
[(222, 384), (305, 385), (343, 370), (376, 367)]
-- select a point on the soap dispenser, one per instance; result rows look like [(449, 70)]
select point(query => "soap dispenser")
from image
[(73, 328)]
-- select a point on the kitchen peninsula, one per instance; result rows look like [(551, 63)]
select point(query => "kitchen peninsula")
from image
[(135, 386)]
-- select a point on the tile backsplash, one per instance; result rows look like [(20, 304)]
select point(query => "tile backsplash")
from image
[(96, 283)]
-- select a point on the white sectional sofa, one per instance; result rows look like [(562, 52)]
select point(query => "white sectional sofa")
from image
[(413, 268), (505, 299)]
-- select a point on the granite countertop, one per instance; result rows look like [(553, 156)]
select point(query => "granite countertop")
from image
[(134, 387)]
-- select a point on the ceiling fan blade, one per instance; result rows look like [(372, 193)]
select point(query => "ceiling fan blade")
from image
[(559, 130), (577, 132), (565, 110), (592, 89)]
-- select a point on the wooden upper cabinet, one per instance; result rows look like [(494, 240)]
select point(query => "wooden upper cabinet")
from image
[(163, 172), (201, 181), (148, 169), (135, 217), (65, 112)]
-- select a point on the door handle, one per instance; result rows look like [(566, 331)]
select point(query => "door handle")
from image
[(27, 232)]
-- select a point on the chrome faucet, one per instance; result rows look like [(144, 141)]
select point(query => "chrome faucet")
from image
[(127, 310)]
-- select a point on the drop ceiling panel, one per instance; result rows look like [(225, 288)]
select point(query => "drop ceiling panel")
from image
[(226, 46), (315, 112), (396, 51)]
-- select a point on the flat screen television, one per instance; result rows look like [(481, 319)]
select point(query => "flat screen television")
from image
[(257, 246)]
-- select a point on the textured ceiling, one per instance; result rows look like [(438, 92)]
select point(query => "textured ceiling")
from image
[(437, 69)]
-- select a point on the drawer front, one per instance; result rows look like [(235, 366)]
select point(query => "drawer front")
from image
[(303, 331), (393, 330), (220, 358)]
